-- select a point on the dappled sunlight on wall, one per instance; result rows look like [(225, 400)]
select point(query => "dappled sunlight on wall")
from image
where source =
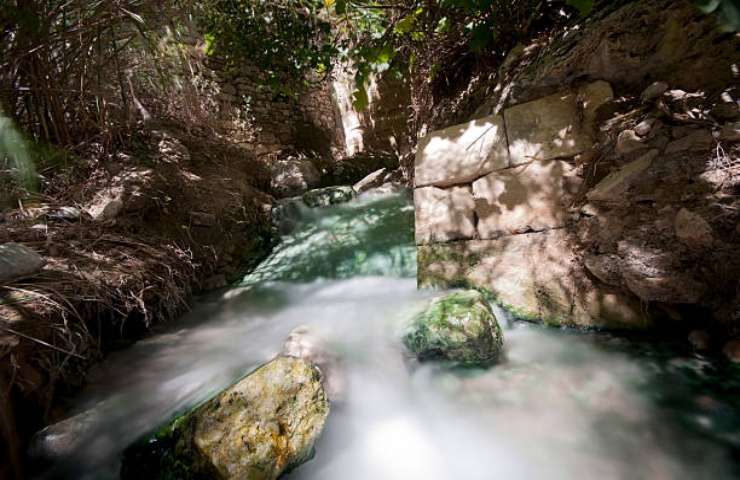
[(461, 153)]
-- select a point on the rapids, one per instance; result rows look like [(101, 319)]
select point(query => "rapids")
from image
[(563, 404)]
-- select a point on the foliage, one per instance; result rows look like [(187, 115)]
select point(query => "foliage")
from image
[(294, 40), (285, 38), (78, 70)]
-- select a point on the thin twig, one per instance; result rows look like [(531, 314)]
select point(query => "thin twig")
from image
[(33, 339)]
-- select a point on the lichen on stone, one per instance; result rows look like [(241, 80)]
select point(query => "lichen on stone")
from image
[(459, 327)]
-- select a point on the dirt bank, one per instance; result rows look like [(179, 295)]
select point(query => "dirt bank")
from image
[(127, 240)]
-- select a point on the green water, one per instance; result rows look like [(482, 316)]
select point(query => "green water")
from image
[(562, 404)]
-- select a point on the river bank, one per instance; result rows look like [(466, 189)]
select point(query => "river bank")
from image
[(126, 242), (560, 401)]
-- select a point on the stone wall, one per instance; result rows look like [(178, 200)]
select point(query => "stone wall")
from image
[(656, 216), (582, 209), (320, 119), (493, 201), (273, 123), (384, 125)]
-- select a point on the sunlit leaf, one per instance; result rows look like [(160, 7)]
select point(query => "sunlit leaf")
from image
[(405, 25), (360, 98), (708, 6)]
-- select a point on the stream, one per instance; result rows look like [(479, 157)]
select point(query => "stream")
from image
[(563, 404)]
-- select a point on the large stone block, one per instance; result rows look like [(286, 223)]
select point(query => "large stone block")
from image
[(444, 214), (461, 153), (614, 187), (531, 197), (537, 276), (559, 125)]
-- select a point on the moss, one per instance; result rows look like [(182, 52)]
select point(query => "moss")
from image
[(430, 255), (459, 327)]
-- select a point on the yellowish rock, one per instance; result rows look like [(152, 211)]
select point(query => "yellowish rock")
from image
[(258, 429), (265, 424)]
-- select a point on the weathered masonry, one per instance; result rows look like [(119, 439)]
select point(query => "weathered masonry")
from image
[(493, 199)]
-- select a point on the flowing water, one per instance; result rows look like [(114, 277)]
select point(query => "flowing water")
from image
[(563, 404)]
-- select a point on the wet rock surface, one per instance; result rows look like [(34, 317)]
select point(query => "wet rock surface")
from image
[(459, 327), (260, 428)]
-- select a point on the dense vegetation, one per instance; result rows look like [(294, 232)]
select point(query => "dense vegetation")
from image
[(72, 72)]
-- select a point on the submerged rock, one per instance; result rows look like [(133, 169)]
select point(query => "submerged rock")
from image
[(306, 343), (324, 197), (459, 327), (260, 428), (286, 214)]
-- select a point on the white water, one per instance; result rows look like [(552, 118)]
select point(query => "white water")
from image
[(560, 406)]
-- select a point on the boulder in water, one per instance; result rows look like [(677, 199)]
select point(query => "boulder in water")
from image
[(459, 327), (293, 176), (324, 197), (306, 343), (260, 428)]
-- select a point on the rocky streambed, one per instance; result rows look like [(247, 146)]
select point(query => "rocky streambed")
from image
[(328, 363)]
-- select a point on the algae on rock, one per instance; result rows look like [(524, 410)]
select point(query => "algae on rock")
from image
[(459, 327), (258, 429)]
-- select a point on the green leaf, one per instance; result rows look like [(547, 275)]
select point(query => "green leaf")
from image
[(384, 54), (482, 35), (210, 41), (584, 6), (361, 100), (341, 7), (443, 26), (708, 6), (405, 25)]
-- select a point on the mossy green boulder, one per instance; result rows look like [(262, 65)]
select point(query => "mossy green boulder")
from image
[(260, 428), (459, 327)]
